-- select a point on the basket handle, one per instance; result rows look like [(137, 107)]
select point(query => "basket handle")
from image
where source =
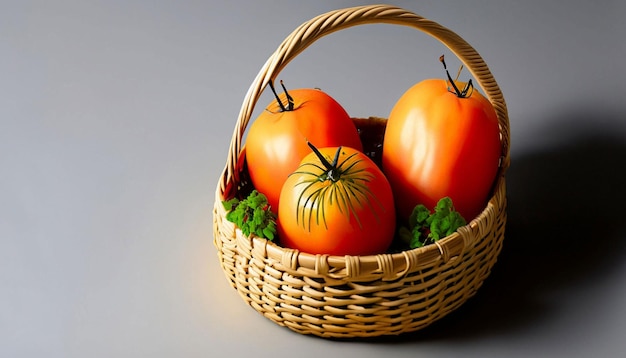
[(325, 24)]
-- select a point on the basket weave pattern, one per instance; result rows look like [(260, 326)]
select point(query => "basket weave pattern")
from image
[(360, 296)]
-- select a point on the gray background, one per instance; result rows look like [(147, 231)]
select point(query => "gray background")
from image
[(115, 121)]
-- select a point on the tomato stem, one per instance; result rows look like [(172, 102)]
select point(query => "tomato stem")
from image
[(289, 98), (280, 103), (459, 93), (332, 172), (282, 106)]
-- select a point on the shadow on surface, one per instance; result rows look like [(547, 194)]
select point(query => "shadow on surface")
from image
[(564, 229)]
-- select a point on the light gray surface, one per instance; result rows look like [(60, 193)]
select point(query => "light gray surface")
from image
[(115, 120)]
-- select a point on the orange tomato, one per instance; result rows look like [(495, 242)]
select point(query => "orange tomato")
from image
[(339, 206), (441, 142), (276, 141)]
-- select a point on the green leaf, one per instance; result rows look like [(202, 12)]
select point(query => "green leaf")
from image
[(229, 204), (268, 233), (419, 216), (426, 227), (252, 215), (405, 235), (445, 220), (416, 242)]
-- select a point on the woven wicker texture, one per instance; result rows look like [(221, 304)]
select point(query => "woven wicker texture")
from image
[(360, 296)]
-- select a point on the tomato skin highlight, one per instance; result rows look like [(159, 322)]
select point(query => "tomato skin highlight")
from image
[(276, 140), (437, 144), (335, 223)]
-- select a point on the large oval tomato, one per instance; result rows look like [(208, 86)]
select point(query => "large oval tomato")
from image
[(337, 202), (441, 143), (276, 140)]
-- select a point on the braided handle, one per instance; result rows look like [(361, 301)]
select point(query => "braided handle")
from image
[(322, 25)]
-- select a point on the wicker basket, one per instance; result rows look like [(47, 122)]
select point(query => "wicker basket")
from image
[(360, 296)]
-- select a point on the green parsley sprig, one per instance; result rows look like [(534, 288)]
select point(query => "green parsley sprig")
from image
[(425, 227), (252, 215)]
